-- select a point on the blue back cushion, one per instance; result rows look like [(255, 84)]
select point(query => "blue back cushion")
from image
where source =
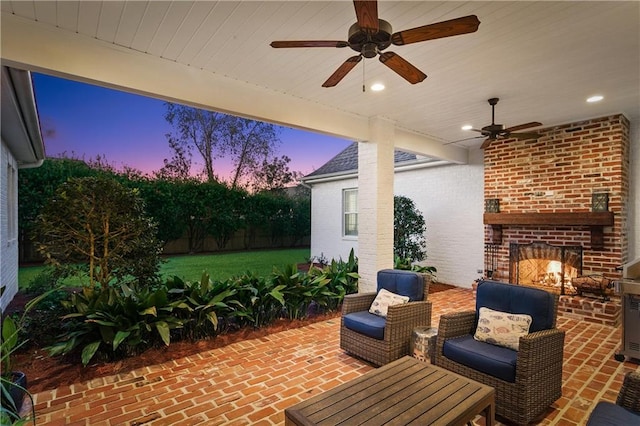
[(404, 283), (517, 299)]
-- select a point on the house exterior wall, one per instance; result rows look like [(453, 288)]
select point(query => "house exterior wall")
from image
[(326, 220), (8, 237), (450, 198)]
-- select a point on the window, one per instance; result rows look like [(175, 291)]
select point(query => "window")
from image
[(350, 212)]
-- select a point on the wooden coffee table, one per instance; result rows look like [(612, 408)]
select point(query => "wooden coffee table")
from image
[(403, 392)]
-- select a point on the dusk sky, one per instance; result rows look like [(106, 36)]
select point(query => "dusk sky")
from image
[(85, 121)]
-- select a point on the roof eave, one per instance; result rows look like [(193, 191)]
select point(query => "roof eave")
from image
[(20, 122)]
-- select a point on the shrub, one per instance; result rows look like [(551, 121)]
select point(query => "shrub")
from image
[(116, 321), (100, 224), (122, 320), (202, 306), (408, 230), (262, 298)]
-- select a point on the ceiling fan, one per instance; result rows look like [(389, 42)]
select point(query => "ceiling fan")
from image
[(497, 131), (370, 36)]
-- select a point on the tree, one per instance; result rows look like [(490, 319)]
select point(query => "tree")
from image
[(246, 143), (274, 175), (36, 186), (98, 223), (249, 143), (409, 229), (204, 130), (179, 167)]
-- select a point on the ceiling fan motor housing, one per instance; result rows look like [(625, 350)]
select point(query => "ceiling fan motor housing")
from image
[(370, 44)]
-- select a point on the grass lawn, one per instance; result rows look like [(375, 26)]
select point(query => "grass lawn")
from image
[(219, 266)]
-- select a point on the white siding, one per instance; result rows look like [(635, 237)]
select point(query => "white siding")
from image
[(8, 240), (326, 220)]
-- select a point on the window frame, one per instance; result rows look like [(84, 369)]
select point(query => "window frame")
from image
[(346, 214)]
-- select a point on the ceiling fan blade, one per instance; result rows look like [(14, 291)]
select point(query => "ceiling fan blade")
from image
[(342, 71), (523, 126), (308, 43), (486, 143), (403, 68), (464, 25), (523, 135), (367, 14)]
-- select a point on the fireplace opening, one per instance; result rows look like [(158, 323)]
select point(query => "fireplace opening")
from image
[(545, 265)]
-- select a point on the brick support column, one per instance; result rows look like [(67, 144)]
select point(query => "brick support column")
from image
[(375, 203)]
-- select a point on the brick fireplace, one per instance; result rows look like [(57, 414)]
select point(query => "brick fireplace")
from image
[(568, 189)]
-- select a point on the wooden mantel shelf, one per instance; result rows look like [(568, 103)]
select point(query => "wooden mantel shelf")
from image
[(550, 219), (596, 221)]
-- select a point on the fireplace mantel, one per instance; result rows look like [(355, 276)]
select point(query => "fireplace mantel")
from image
[(595, 220), (563, 218)]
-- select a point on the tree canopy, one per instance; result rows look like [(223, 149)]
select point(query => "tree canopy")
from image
[(248, 145), (101, 225)]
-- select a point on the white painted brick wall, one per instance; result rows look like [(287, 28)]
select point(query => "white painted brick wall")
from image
[(8, 248), (375, 194), (326, 223), (451, 200)]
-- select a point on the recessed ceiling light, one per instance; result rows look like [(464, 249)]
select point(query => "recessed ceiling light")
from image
[(377, 87), (467, 127), (595, 98)]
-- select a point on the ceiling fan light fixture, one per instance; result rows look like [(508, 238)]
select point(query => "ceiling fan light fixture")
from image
[(595, 98), (467, 127), (377, 87), (369, 36)]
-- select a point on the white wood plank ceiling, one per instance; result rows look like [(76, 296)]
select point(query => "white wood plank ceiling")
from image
[(543, 59)]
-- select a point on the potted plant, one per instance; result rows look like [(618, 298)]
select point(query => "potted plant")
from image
[(13, 384)]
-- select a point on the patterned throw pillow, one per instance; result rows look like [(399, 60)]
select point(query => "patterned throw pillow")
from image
[(384, 299), (502, 328)]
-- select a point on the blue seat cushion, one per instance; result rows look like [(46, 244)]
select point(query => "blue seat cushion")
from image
[(496, 361), (516, 299), (365, 323), (404, 283), (607, 413)]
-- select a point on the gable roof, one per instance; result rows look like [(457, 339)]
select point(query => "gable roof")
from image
[(346, 163)]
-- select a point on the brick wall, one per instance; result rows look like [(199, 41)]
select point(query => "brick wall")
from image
[(559, 173)]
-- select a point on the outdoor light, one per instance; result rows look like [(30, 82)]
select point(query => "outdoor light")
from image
[(600, 202), (492, 205)]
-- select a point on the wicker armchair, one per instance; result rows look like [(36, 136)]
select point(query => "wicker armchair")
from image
[(626, 410), (398, 325), (526, 381)]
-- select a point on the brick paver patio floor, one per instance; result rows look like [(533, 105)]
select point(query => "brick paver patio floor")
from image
[(252, 382)]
